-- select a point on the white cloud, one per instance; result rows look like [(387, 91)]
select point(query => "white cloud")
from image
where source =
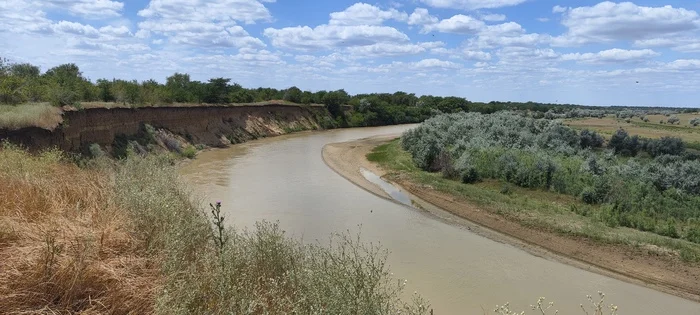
[(433, 63), (559, 9), (248, 11), (493, 17), (526, 58), (203, 24), (476, 55), (612, 55), (92, 9), (684, 64), (421, 16), (471, 4), (543, 19), (508, 34), (608, 21), (75, 28), (459, 24), (333, 36), (393, 49), (365, 14), (121, 31), (681, 44)]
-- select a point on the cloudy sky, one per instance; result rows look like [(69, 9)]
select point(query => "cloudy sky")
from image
[(645, 52)]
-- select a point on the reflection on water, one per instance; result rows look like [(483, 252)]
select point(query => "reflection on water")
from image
[(388, 188), (284, 179)]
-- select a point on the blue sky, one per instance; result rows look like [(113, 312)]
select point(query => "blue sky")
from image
[(587, 52)]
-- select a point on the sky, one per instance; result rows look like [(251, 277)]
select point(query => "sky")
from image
[(641, 53)]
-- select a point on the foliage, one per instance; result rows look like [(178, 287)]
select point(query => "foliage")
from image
[(658, 195)]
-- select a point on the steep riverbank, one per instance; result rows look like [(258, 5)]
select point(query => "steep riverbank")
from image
[(213, 126), (619, 261)]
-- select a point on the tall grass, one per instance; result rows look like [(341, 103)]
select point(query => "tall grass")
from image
[(64, 245), (40, 115), (126, 238)]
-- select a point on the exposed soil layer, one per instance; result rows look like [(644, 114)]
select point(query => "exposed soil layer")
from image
[(623, 262), (207, 125)]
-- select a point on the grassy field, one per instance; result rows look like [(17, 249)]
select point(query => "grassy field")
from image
[(651, 129), (41, 115), (535, 208)]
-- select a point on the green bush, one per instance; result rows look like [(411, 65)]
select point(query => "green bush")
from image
[(189, 152)]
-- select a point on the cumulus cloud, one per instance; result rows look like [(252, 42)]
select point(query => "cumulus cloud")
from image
[(684, 64), (559, 9), (458, 24), (421, 16), (365, 14), (471, 4), (681, 44), (92, 9), (330, 36), (393, 49), (210, 24), (608, 21), (433, 63), (493, 17), (612, 55)]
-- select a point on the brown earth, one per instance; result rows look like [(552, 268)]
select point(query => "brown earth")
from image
[(208, 125), (618, 261)]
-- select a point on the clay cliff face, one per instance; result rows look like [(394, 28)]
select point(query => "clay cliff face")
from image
[(207, 125)]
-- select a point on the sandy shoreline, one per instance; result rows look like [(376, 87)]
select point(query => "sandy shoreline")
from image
[(616, 261)]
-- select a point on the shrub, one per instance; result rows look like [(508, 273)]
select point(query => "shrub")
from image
[(96, 151), (623, 144), (591, 139), (665, 146), (189, 152), (695, 122), (674, 120)]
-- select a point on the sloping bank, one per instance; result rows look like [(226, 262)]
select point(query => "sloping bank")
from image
[(633, 264), (213, 126)]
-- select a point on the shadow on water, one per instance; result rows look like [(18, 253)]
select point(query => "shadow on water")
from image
[(390, 189)]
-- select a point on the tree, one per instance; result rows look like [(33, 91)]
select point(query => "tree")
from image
[(104, 88), (334, 100), (178, 86), (293, 94), (66, 84), (217, 91), (25, 70), (674, 120)]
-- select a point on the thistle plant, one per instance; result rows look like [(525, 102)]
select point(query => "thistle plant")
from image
[(219, 228)]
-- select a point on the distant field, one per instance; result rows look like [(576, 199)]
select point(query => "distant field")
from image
[(652, 129)]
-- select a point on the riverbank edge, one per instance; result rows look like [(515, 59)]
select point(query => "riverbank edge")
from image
[(346, 159)]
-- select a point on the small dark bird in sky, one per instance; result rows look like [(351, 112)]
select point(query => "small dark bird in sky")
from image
[(637, 82)]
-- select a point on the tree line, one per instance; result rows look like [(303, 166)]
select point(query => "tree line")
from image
[(66, 85)]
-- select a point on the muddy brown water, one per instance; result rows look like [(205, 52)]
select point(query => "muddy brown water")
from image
[(284, 179)]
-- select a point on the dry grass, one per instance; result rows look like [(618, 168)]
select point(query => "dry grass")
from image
[(65, 246), (41, 115)]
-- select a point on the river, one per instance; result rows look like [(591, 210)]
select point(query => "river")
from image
[(284, 179)]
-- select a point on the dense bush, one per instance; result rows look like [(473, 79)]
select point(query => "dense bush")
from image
[(658, 194)]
